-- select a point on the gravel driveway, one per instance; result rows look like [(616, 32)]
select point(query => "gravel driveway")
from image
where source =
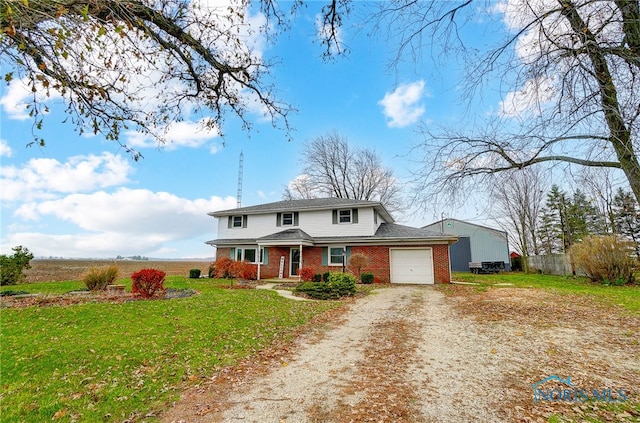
[(414, 354)]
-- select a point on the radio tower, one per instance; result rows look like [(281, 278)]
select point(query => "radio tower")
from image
[(240, 171)]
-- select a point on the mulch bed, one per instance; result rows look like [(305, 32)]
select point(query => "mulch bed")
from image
[(81, 297)]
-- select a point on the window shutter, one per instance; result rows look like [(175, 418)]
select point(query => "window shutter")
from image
[(325, 256), (354, 216), (295, 219), (265, 255), (232, 253), (278, 219), (230, 222), (335, 217), (244, 220), (348, 255)]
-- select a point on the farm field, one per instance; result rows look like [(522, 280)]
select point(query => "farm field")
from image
[(49, 270)]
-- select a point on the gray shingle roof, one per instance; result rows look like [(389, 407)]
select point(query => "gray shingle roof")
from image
[(387, 232), (289, 234), (393, 230), (299, 205)]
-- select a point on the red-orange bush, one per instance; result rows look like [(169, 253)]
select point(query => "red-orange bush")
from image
[(306, 274), (225, 268), (221, 268), (148, 283), (244, 270)]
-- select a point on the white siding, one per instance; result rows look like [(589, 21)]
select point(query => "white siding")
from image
[(316, 223)]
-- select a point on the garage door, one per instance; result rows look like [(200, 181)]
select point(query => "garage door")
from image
[(411, 265)]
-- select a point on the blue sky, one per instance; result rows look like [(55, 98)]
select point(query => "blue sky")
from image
[(83, 196)]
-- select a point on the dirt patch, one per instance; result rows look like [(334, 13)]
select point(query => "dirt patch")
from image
[(429, 354)]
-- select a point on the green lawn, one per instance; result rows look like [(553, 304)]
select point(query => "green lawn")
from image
[(625, 296), (109, 362)]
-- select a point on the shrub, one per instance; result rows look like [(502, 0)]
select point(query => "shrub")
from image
[(343, 283), (605, 259), (317, 277), (366, 278), (12, 267), (244, 270), (194, 273), (222, 268), (306, 274), (357, 262), (97, 278), (339, 285), (325, 276), (148, 283)]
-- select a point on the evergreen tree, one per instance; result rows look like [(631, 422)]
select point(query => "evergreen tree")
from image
[(627, 217)]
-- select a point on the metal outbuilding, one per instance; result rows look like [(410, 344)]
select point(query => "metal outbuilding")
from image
[(476, 243)]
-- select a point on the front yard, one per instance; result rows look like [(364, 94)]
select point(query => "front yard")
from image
[(129, 360), (116, 361)]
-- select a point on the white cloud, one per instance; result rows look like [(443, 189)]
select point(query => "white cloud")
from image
[(5, 150), (48, 178), (178, 134), (18, 95), (530, 99), (124, 222), (402, 107)]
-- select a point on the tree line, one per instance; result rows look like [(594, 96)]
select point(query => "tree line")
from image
[(544, 222)]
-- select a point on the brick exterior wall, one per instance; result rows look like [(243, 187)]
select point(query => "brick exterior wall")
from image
[(378, 261)]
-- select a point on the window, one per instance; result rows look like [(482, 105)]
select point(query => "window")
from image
[(239, 221), (287, 219), (249, 254), (336, 255), (344, 216)]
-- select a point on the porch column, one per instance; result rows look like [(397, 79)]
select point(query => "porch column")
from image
[(301, 262), (259, 261)]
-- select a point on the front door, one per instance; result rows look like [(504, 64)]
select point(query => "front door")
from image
[(295, 262)]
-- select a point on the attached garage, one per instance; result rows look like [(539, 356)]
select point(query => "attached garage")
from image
[(411, 265)]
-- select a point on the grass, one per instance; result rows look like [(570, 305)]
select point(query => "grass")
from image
[(112, 362), (625, 296)]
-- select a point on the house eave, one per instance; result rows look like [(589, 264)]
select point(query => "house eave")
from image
[(379, 207), (333, 241)]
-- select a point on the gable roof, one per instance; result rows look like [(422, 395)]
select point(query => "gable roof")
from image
[(442, 222), (386, 233), (305, 204)]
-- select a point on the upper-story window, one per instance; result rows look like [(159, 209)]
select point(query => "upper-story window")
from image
[(287, 219), (345, 216), (239, 221)]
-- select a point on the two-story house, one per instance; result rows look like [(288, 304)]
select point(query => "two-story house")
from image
[(323, 233)]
